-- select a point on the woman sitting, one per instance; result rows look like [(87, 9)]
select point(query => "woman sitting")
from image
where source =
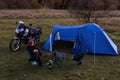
[(34, 53)]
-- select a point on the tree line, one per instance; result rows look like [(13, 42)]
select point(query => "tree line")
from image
[(31, 4), (54, 4)]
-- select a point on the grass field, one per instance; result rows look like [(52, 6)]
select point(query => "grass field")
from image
[(15, 66)]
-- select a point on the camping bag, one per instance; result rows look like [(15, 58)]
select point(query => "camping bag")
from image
[(79, 56)]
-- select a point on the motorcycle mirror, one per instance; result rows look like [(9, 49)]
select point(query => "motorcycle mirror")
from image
[(16, 23), (30, 24)]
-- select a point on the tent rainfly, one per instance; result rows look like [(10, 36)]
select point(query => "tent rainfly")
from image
[(89, 36)]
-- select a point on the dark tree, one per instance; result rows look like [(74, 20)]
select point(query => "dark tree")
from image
[(57, 4), (24, 4), (106, 4), (48, 3), (10, 3), (64, 4), (3, 4), (39, 1), (118, 5)]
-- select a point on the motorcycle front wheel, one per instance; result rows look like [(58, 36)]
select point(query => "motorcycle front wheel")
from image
[(15, 45)]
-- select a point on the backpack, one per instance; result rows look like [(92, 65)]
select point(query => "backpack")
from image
[(79, 56)]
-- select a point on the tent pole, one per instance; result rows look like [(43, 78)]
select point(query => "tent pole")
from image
[(94, 46)]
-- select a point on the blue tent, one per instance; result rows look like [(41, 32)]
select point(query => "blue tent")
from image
[(88, 36)]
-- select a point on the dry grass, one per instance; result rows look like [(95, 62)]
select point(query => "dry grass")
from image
[(37, 13), (113, 17)]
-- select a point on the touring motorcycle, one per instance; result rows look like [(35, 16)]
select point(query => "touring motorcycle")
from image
[(18, 39)]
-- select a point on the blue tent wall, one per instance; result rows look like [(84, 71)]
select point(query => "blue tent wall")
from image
[(93, 38), (88, 36)]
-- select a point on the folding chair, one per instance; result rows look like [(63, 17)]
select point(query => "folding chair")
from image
[(59, 58)]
